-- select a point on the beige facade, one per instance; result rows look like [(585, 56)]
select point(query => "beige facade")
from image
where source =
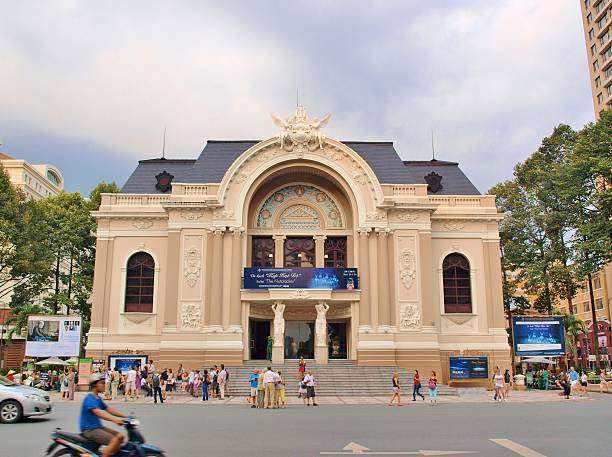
[(35, 180), (596, 20), (300, 184)]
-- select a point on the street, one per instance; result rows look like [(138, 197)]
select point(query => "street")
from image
[(527, 429)]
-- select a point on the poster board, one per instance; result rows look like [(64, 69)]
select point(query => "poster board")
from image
[(469, 368), (124, 362), (301, 278), (53, 336), (538, 336)]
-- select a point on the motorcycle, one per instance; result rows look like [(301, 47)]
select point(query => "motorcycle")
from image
[(75, 445)]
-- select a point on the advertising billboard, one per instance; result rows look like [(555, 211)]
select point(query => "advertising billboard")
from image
[(53, 336), (123, 363), (469, 368), (301, 278), (538, 336)]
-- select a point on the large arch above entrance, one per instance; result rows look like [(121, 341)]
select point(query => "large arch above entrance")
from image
[(345, 166)]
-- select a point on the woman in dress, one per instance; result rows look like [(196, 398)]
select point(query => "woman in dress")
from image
[(63, 380), (498, 384), (416, 386), (71, 384), (396, 390), (432, 384), (507, 384), (302, 367)]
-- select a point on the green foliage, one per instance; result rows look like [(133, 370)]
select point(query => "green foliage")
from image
[(18, 320), (95, 196)]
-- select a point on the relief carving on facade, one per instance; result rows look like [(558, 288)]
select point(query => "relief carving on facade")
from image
[(359, 176), (376, 216), (454, 226), (300, 294), (190, 316), (191, 214), (142, 224), (300, 133), (279, 323), (410, 317), (407, 267), (223, 214), (192, 266), (407, 216)]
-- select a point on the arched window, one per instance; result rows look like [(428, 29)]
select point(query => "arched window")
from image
[(139, 283), (457, 287)]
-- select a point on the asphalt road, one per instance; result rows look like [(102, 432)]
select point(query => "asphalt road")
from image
[(542, 429)]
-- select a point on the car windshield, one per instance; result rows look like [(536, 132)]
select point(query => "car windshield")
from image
[(6, 382)]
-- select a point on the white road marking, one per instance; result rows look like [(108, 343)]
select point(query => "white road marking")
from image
[(354, 448), (517, 448)]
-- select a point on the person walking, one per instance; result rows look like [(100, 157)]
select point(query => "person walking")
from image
[(507, 384), (221, 378), (302, 367), (309, 380), (584, 384), (268, 382), (432, 384), (279, 387), (260, 390), (498, 384), (253, 382), (396, 389), (205, 384), (602, 381), (573, 379), (63, 380), (138, 383), (115, 383), (130, 384), (108, 375), (71, 383), (302, 390), (416, 386), (156, 387)]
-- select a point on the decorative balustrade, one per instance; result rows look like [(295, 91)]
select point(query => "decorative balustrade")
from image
[(195, 189), (464, 201), (138, 199)]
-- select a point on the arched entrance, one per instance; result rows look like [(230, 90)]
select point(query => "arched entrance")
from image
[(300, 218)]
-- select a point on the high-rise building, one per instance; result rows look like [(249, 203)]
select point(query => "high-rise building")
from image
[(596, 19)]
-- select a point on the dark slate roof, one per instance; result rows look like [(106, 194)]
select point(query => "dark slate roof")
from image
[(218, 156)]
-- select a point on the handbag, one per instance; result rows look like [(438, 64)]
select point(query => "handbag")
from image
[(432, 385)]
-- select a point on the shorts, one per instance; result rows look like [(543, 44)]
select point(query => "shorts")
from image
[(310, 392), (100, 435), (253, 391), (584, 384), (168, 387), (129, 386), (396, 390)]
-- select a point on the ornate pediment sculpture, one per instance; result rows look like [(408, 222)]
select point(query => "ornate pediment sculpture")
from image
[(300, 133)]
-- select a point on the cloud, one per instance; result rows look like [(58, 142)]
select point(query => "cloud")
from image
[(97, 83)]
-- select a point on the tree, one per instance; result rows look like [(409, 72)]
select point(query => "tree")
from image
[(18, 319), (573, 327), (589, 169), (95, 196), (24, 247)]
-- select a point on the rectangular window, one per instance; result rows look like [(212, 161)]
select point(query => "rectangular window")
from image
[(591, 34), (593, 50), (300, 252), (587, 308), (589, 18), (607, 54), (608, 73), (609, 90), (604, 39), (262, 251), (600, 6), (587, 3), (574, 309), (335, 252), (596, 65), (599, 97), (599, 303), (598, 81), (602, 22)]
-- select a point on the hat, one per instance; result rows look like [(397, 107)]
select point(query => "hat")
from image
[(94, 379), (11, 372)]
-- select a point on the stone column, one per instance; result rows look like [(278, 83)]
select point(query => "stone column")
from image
[(427, 273), (321, 351), (208, 261), (374, 278), (236, 281), (279, 250), (364, 267), (278, 347), (172, 279), (102, 283), (391, 265), (216, 285), (384, 316), (319, 250), (226, 281)]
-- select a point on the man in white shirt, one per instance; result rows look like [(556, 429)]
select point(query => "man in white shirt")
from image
[(310, 388), (269, 378), (130, 383), (108, 375), (221, 378)]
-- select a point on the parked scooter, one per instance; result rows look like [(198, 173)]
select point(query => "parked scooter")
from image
[(75, 445)]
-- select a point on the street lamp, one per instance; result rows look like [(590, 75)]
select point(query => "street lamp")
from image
[(2, 331)]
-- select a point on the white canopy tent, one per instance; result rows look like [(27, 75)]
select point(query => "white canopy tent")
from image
[(52, 361), (539, 360)]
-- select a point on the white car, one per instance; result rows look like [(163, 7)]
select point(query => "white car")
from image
[(17, 401)]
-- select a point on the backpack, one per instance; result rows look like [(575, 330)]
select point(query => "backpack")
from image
[(156, 380)]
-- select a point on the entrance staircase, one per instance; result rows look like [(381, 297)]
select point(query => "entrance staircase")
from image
[(337, 378)]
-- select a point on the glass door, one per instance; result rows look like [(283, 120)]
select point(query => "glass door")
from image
[(299, 339), (336, 341)]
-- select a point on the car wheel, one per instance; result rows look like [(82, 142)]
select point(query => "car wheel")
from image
[(10, 412), (65, 452)]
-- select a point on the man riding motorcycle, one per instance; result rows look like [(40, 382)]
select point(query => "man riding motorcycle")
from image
[(94, 409)]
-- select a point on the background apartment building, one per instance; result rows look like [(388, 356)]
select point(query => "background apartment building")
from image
[(596, 19)]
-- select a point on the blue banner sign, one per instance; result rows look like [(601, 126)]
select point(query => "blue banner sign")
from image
[(469, 368), (300, 278), (538, 336)]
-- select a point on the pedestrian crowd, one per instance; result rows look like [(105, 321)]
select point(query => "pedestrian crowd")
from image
[(432, 388)]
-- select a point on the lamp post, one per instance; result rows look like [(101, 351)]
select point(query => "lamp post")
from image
[(2, 331)]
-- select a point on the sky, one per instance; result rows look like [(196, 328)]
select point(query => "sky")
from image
[(90, 86)]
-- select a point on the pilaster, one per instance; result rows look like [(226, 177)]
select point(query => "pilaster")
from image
[(172, 279), (384, 316), (364, 276), (279, 250), (319, 250), (216, 288), (236, 276)]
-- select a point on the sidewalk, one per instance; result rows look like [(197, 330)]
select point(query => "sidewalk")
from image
[(515, 397)]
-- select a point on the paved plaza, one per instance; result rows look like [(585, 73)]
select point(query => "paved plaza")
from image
[(532, 425)]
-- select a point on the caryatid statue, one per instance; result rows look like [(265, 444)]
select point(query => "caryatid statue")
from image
[(300, 132), (321, 323), (279, 323)]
